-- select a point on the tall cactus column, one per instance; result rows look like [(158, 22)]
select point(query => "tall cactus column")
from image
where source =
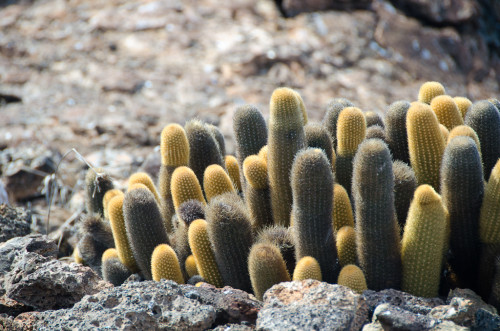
[(286, 138), (376, 226)]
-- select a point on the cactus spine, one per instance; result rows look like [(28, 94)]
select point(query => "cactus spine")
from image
[(97, 183), (117, 221), (346, 246), (266, 268), (185, 186), (373, 118), (351, 131), (230, 232), (286, 138), (405, 184), (107, 198), (282, 238), (423, 243), (425, 144), (395, 128), (447, 111), (257, 193), (352, 276), (219, 138), (191, 267), (463, 105), (233, 170), (376, 226), (113, 270), (307, 268), (203, 148), (216, 181), (145, 227), (484, 118), (430, 90), (342, 210), (312, 187), (203, 253), (174, 148), (333, 109), (462, 189), (165, 265), (143, 178)]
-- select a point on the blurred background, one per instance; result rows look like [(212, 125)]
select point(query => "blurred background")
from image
[(104, 77)]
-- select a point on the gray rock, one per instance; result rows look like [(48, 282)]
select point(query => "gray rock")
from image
[(450, 12), (294, 7), (14, 222), (148, 305), (486, 321), (14, 249), (309, 305), (462, 308), (389, 317), (43, 283)]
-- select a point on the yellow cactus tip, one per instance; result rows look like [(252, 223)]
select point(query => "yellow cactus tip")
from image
[(463, 104), (165, 265), (263, 153), (352, 276), (430, 90), (136, 186), (216, 181), (233, 169), (174, 146), (199, 284), (307, 268), (284, 102), (425, 194), (255, 171), (77, 256), (110, 253), (110, 195)]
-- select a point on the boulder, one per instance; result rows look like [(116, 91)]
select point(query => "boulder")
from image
[(14, 222)]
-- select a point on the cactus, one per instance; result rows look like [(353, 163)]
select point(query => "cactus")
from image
[(395, 129), (351, 131), (165, 265), (462, 190), (430, 90), (113, 270), (307, 268), (425, 144), (145, 227), (263, 153), (97, 183), (185, 186), (117, 222), (283, 239), (180, 244), (233, 170), (250, 133), (373, 118), (96, 237), (312, 187), (376, 227), (203, 253), (464, 130), (463, 105), (302, 107), (143, 178), (219, 138), (444, 132), (107, 198), (333, 109), (266, 268), (489, 221), (376, 132), (495, 103), (191, 267), (257, 195), (317, 136), (230, 232), (447, 111), (484, 118), (216, 181), (346, 246), (286, 138), (203, 148), (405, 184), (352, 276), (423, 243), (342, 210), (191, 210), (174, 148), (77, 256), (495, 289)]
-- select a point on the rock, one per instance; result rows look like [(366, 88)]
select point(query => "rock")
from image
[(24, 169), (12, 307), (416, 305), (146, 305), (294, 7), (451, 12), (308, 305), (462, 308), (14, 249), (151, 165), (9, 324), (233, 327), (389, 317), (14, 222), (486, 321), (43, 283)]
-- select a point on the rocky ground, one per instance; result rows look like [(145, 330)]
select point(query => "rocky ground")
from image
[(104, 78)]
